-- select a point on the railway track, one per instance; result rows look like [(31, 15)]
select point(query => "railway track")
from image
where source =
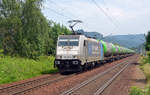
[(97, 84), (25, 87), (101, 89)]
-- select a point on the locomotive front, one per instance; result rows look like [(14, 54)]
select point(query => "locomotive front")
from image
[(67, 53)]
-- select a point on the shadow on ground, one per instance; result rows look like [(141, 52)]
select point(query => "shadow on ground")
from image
[(144, 81), (53, 71)]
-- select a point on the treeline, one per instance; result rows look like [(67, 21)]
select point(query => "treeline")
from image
[(24, 30), (147, 46)]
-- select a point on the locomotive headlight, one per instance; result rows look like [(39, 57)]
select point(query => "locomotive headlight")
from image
[(57, 62), (75, 62), (59, 57), (75, 57)]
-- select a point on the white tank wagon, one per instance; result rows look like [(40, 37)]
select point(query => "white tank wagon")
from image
[(117, 49), (78, 52), (109, 48), (122, 50), (125, 50)]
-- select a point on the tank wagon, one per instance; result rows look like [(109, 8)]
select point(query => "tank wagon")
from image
[(78, 52)]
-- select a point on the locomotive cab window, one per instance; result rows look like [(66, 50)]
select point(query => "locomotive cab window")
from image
[(68, 42)]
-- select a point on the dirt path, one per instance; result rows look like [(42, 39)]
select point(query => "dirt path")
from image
[(139, 78), (132, 76)]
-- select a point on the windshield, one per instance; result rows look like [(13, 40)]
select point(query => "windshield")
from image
[(68, 42)]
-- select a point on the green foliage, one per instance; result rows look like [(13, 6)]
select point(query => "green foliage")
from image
[(1, 53), (147, 92), (136, 91), (10, 23), (35, 27), (12, 70), (25, 31), (145, 66), (148, 54), (144, 60), (1, 38), (148, 42), (58, 30)]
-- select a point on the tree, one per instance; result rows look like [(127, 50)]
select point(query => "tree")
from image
[(148, 41), (34, 29), (25, 31), (57, 30), (10, 24)]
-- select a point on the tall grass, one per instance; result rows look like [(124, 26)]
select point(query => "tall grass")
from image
[(145, 66), (146, 70), (16, 68), (138, 91)]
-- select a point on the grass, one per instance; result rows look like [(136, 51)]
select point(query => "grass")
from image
[(146, 70), (145, 66), (138, 91), (15, 68)]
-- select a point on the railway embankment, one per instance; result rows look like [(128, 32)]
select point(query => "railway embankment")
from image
[(56, 84), (138, 87)]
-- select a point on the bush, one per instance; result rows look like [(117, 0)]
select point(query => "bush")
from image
[(147, 91), (148, 54), (1, 53), (136, 91)]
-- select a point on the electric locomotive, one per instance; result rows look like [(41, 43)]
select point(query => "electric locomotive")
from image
[(77, 52)]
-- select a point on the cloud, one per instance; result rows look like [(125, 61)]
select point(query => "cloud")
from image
[(131, 16)]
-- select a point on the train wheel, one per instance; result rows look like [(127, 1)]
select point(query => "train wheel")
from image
[(80, 68), (93, 64), (62, 72), (85, 67)]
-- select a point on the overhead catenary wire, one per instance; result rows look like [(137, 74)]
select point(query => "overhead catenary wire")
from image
[(60, 7), (63, 9), (58, 13), (107, 9), (62, 14), (105, 13)]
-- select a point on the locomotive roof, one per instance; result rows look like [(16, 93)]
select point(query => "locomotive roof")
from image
[(69, 36)]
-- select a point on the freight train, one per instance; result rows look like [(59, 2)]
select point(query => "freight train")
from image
[(77, 52)]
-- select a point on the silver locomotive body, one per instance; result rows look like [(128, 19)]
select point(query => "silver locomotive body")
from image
[(76, 52)]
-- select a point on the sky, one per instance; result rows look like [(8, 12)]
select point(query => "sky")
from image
[(123, 16)]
